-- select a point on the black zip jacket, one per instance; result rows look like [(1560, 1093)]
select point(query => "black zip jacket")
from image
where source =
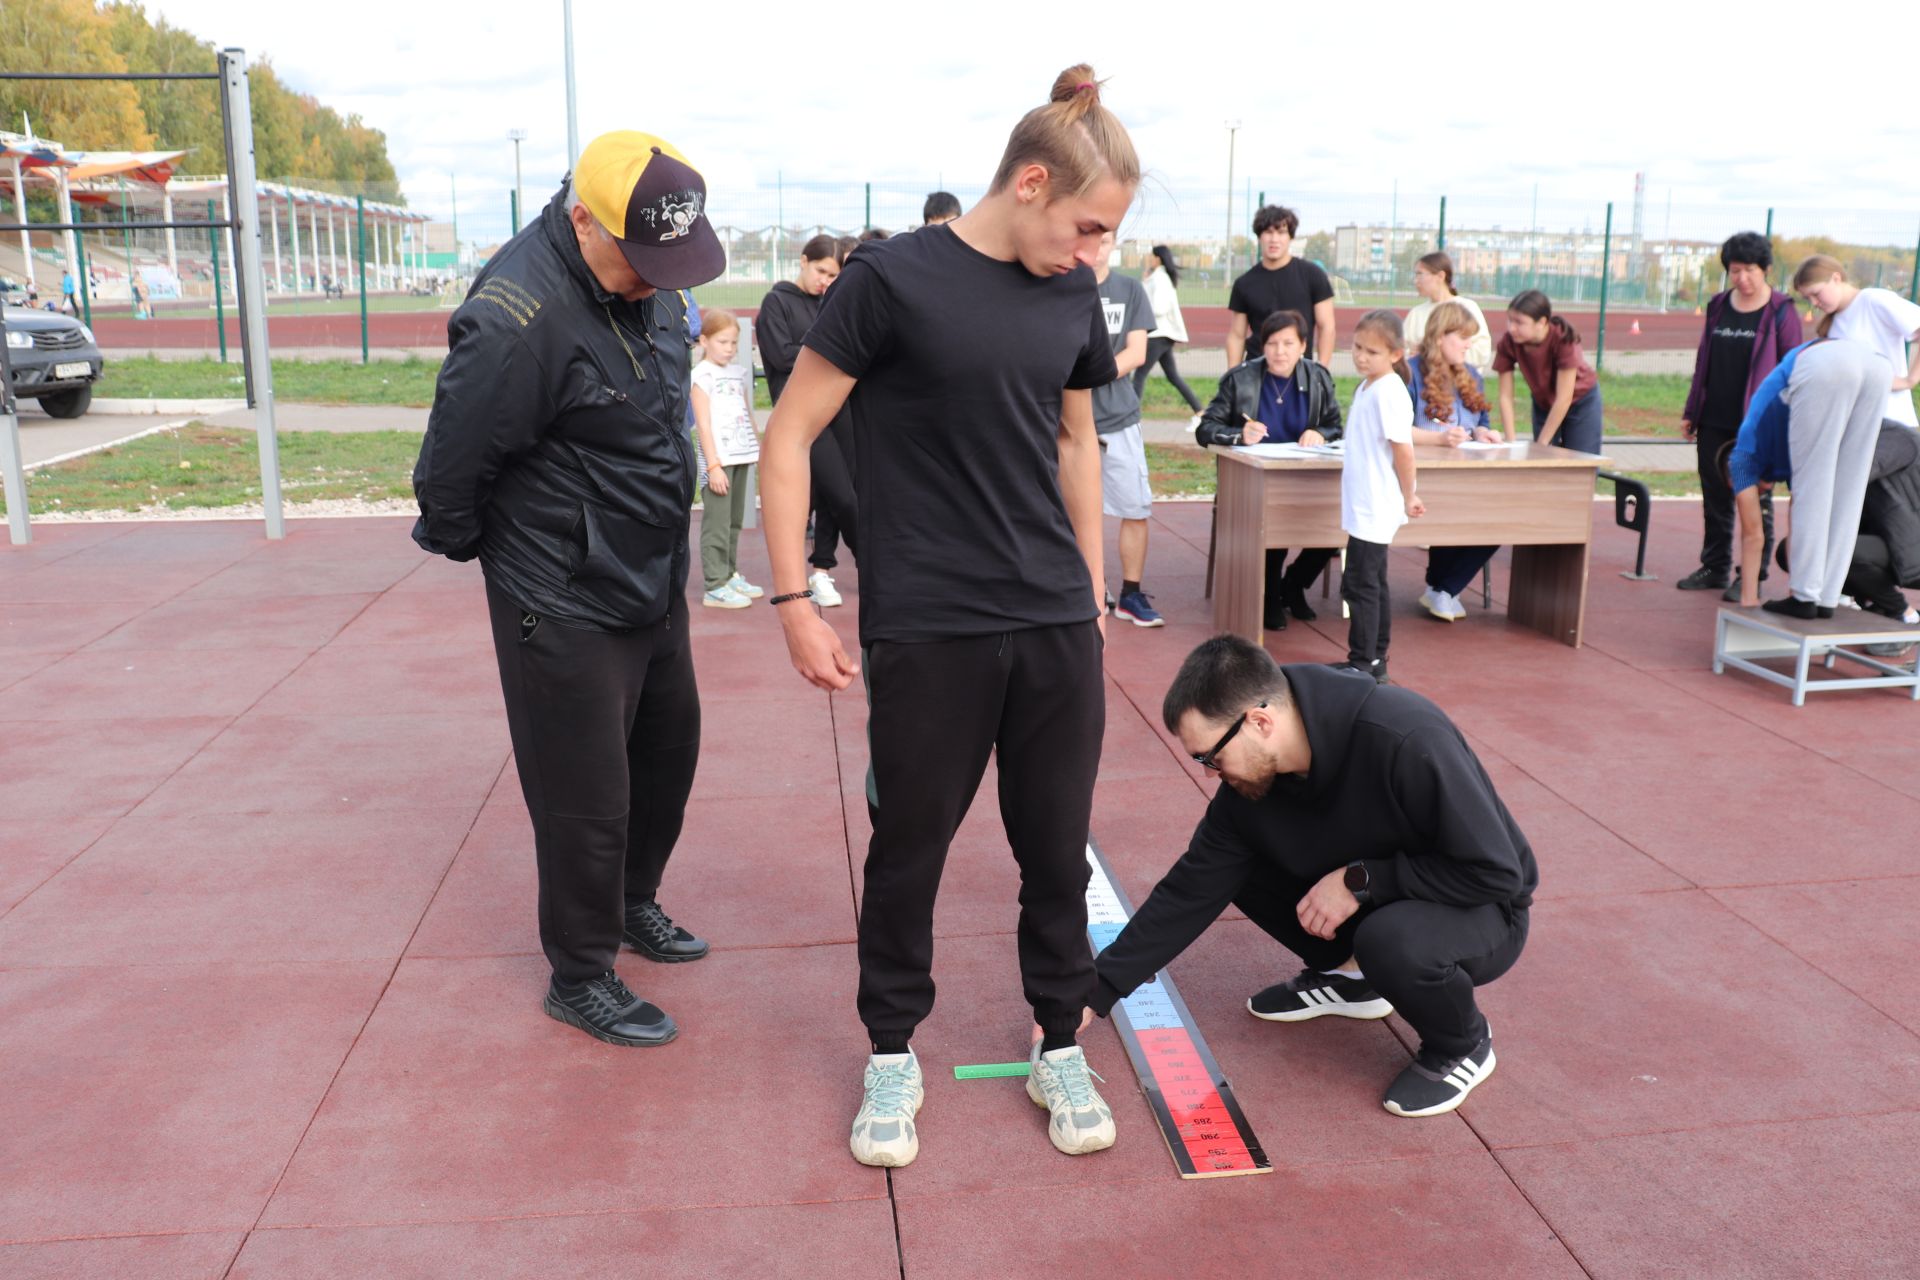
[(557, 449), (1892, 506), (1392, 784), (1239, 395), (786, 313)]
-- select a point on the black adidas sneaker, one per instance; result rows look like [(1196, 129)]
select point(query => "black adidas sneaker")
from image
[(1432, 1086), (1312, 994)]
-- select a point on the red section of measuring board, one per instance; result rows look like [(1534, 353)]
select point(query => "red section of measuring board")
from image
[(1200, 1119)]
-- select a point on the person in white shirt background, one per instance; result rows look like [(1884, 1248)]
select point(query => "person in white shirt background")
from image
[(1433, 280), (1169, 328), (1378, 483), (1880, 318), (727, 447)]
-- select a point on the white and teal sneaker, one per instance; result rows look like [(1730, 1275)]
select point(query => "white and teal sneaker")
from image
[(724, 597), (1062, 1082), (741, 586), (883, 1131)]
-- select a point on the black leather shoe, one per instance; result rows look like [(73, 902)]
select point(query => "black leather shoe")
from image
[(1794, 607), (1296, 602), (604, 1009), (1274, 619), (654, 936)]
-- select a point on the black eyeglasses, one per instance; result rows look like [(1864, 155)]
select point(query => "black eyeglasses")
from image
[(1210, 759)]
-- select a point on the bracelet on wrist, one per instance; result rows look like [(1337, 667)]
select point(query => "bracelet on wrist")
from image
[(791, 596)]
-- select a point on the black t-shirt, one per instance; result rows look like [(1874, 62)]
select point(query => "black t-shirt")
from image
[(961, 361), (1729, 360), (1260, 292)]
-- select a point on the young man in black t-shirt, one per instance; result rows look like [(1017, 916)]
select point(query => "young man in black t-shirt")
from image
[(966, 354), (1280, 282)]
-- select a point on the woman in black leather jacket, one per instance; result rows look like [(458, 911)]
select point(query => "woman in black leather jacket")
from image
[(1278, 396)]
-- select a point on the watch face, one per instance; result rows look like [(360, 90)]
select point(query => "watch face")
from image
[(1357, 878)]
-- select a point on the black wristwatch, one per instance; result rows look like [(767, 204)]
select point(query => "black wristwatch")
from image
[(1359, 883)]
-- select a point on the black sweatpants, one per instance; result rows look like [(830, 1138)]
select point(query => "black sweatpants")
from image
[(1870, 578), (1716, 501), (606, 735), (831, 465), (936, 710), (1160, 352), (1425, 958), (1369, 608)]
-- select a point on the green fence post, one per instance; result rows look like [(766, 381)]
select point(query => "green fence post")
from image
[(86, 294), (1913, 289), (1606, 259), (1783, 266), (360, 249), (1443, 224), (513, 210), (219, 304), (869, 222)]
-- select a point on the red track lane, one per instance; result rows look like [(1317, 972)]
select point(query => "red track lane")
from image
[(1207, 326)]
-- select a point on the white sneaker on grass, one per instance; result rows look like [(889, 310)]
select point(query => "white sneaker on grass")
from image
[(741, 586), (725, 598), (821, 584), (883, 1131), (1062, 1082)]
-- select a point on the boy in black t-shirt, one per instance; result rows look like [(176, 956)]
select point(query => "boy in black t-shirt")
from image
[(966, 354), (1280, 282)]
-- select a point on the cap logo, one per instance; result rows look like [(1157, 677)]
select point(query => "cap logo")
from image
[(677, 211)]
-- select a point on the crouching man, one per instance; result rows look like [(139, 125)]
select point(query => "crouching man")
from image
[(1360, 831)]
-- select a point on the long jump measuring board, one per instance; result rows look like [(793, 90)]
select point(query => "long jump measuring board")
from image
[(1201, 1120)]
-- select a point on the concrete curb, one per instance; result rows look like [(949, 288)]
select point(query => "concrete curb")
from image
[(102, 405)]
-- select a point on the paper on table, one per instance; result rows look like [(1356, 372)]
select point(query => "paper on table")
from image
[(1479, 444), (1289, 449)]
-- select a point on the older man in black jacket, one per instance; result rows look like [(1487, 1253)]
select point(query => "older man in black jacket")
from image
[(557, 453), (1359, 830)]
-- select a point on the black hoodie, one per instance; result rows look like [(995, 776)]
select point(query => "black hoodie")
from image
[(786, 313), (1391, 784)]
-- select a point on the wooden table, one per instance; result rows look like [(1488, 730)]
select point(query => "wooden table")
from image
[(1535, 498)]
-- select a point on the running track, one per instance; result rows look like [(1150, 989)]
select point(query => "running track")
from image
[(1207, 327)]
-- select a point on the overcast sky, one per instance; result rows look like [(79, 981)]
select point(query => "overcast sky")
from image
[(1338, 102)]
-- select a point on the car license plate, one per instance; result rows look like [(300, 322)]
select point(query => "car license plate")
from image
[(72, 369)]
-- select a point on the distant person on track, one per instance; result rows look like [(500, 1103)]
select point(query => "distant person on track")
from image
[(1450, 408), (1565, 389), (728, 446), (941, 206), (1433, 280), (69, 303), (1169, 328), (1126, 491), (967, 354), (786, 314), (1280, 282), (1280, 396), (1749, 329), (1880, 318), (573, 492)]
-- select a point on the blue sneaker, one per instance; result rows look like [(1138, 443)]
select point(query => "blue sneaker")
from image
[(1134, 607)]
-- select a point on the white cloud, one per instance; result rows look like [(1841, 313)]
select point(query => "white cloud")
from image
[(1338, 102)]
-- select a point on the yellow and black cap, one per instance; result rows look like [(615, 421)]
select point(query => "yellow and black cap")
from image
[(644, 192)]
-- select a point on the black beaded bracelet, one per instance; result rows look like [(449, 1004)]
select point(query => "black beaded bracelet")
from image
[(792, 595)]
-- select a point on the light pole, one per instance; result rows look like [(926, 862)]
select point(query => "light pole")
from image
[(573, 127), (1233, 127), (517, 136)]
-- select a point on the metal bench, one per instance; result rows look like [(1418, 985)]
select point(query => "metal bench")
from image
[(1743, 638)]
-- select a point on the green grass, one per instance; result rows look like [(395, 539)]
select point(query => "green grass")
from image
[(201, 466), (383, 382)]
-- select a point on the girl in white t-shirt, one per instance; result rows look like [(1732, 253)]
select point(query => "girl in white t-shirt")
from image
[(1377, 483), (726, 445), (1880, 318)]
